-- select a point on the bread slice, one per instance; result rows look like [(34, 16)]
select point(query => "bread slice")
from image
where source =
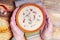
[(6, 35), (4, 25), (5, 32)]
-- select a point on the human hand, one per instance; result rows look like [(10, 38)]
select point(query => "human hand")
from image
[(46, 32), (17, 33)]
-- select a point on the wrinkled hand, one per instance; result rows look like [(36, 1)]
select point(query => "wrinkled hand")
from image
[(46, 32), (17, 33)]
